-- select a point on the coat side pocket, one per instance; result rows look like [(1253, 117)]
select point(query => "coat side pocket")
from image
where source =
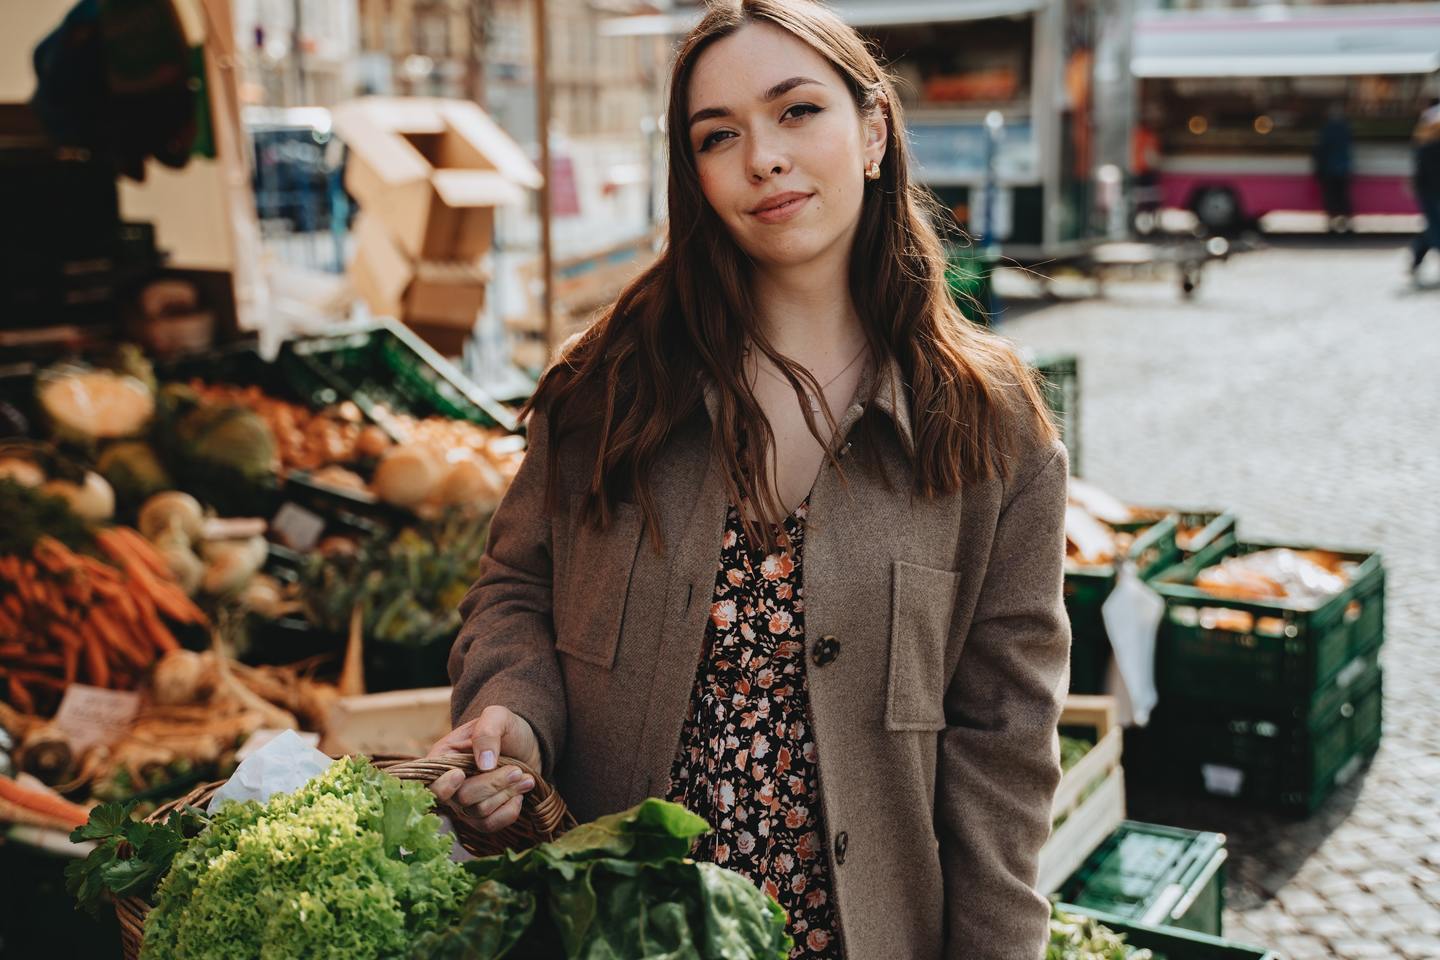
[(922, 601), (591, 591)]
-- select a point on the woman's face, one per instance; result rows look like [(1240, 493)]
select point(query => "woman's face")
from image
[(779, 145)]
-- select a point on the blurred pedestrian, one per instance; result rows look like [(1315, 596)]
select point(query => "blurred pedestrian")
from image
[(1145, 169), (1334, 165), (1427, 184)]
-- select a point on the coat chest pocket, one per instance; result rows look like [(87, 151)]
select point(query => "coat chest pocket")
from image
[(921, 603), (592, 583)]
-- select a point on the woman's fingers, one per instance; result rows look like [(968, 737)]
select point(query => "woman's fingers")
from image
[(445, 785), (503, 817), (482, 795)]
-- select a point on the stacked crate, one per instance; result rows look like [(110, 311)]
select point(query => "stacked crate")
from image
[(1273, 702)]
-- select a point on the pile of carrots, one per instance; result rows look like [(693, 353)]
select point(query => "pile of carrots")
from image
[(68, 616)]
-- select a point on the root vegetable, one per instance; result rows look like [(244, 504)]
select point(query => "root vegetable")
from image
[(93, 499), (168, 511)]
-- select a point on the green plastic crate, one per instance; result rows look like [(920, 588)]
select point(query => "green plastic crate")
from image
[(1208, 526), (1087, 589), (1287, 654), (388, 364), (1158, 875), (1169, 943), (1060, 385), (1265, 757)]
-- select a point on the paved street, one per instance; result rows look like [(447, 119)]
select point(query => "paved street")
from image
[(1301, 388)]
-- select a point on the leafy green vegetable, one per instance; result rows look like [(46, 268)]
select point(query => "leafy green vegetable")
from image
[(1072, 751), (30, 515), (1075, 937), (130, 856), (352, 865), (408, 585), (618, 887)]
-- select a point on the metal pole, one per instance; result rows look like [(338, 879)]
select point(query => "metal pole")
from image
[(542, 122), (296, 39)]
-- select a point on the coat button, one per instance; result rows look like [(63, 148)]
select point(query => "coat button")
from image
[(825, 651), (842, 842)]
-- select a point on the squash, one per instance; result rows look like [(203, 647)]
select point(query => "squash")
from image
[(85, 405)]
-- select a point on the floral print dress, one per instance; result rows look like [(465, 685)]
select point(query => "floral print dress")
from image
[(746, 761)]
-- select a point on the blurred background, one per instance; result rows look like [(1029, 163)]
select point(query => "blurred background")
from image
[(301, 260)]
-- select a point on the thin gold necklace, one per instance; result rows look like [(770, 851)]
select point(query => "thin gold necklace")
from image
[(814, 401)]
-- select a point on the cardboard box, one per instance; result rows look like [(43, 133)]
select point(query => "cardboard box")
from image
[(445, 294), (433, 171), (449, 341), (380, 271), (399, 723), (442, 294)]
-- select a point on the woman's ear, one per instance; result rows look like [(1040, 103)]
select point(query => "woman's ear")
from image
[(877, 132)]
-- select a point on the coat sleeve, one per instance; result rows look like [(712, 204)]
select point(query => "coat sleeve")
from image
[(999, 758), (505, 652)]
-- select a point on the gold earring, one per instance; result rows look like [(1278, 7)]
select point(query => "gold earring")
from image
[(872, 172)]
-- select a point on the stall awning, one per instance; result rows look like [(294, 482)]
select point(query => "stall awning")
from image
[(1289, 41), (859, 13)]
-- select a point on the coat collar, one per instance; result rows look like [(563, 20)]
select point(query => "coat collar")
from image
[(890, 398)]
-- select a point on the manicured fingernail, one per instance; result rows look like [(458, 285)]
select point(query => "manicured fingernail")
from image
[(527, 784), (515, 774), (487, 760)]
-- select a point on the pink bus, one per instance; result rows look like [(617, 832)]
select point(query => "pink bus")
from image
[(1238, 98)]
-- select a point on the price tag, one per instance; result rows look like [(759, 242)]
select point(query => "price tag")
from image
[(93, 715), (297, 528), (1223, 781)]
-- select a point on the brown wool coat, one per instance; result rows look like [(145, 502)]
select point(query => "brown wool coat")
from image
[(935, 723)]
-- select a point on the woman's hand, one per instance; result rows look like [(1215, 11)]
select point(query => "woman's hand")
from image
[(491, 799)]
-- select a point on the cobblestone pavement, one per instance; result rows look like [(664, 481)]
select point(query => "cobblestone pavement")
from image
[(1301, 388)]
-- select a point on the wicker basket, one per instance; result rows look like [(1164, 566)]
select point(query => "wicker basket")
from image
[(543, 817)]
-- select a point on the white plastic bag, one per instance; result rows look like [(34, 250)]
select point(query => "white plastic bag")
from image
[(1132, 616), (283, 765)]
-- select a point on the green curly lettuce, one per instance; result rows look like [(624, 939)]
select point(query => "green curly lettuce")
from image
[(352, 865)]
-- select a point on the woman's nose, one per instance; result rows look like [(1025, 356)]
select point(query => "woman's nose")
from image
[(766, 161)]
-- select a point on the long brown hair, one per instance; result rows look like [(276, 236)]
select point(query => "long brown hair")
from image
[(640, 367)]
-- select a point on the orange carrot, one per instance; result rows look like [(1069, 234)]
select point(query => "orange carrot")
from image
[(20, 697), (155, 629), (117, 638), (96, 665), (72, 663), (43, 802), (122, 542)]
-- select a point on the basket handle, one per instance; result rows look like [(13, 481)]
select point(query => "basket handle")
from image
[(546, 809)]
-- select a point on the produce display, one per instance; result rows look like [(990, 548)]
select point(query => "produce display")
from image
[(1083, 938), (1305, 578), (408, 587), (354, 865), (98, 609), (420, 464), (1099, 529)]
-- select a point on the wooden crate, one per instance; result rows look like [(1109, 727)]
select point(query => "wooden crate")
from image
[(1085, 816)]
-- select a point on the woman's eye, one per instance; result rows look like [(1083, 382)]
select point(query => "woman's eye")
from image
[(799, 111), (713, 138)]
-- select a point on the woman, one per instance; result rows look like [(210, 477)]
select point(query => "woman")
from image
[(862, 694)]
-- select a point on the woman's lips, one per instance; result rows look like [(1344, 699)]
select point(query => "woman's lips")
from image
[(789, 207)]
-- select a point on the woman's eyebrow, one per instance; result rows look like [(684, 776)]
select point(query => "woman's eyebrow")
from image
[(774, 93)]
